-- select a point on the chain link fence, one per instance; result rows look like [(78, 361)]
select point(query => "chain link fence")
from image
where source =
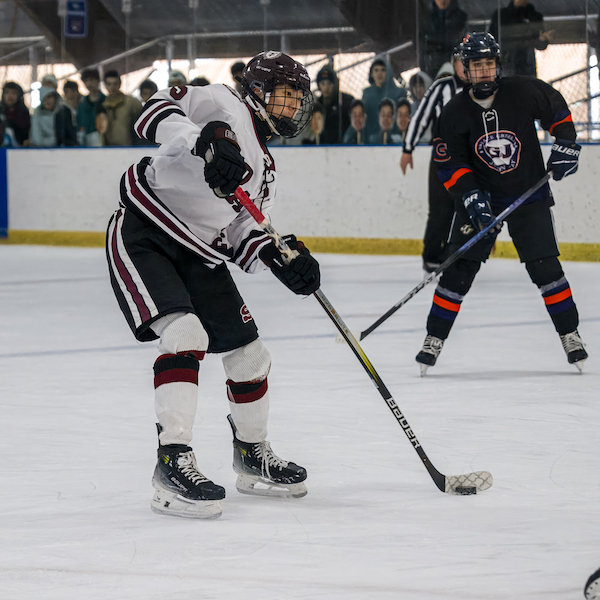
[(570, 68)]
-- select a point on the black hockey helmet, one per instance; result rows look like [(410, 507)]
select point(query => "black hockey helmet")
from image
[(267, 70), (476, 46)]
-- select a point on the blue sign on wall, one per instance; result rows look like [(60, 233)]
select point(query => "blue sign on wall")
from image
[(76, 19)]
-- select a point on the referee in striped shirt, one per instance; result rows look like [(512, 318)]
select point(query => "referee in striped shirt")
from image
[(441, 205)]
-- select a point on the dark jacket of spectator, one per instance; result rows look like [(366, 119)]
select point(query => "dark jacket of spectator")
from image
[(86, 113), (336, 106), (65, 125), (374, 94), (519, 38), (18, 119), (440, 30)]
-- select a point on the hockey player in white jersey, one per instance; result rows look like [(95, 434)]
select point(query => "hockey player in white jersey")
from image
[(167, 246)]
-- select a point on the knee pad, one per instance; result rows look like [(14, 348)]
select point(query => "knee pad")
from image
[(459, 276), (545, 271), (250, 363), (180, 332)]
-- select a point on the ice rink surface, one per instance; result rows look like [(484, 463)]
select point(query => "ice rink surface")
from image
[(78, 444)]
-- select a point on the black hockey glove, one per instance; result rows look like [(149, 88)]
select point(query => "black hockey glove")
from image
[(225, 166), (301, 274), (564, 159), (477, 203)]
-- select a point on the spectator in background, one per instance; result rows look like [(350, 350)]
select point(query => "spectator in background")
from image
[(317, 125), (65, 119), (88, 109), (521, 34), (43, 132), (18, 119), (177, 78), (336, 106), (387, 109), (147, 89), (122, 112), (199, 81), (403, 110), (442, 25), (236, 73), (49, 82), (355, 133), (418, 84), (382, 86)]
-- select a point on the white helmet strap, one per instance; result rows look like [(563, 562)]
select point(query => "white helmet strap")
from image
[(260, 107)]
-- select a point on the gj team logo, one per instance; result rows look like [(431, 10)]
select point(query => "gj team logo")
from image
[(499, 150)]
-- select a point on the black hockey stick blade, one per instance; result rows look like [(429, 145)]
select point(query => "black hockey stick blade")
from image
[(466, 246)]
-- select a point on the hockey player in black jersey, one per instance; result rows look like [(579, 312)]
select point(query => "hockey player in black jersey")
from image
[(167, 246), (487, 156)]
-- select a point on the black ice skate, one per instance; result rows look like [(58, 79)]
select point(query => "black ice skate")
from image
[(262, 473), (576, 354), (432, 346), (592, 587), (181, 490)]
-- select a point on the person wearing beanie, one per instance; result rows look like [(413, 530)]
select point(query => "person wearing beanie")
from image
[(336, 106), (177, 78)]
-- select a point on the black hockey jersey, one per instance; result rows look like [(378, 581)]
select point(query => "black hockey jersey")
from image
[(497, 149)]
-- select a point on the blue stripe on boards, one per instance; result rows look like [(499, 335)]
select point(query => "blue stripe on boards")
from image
[(3, 194)]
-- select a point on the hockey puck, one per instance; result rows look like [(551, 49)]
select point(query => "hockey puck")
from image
[(465, 491)]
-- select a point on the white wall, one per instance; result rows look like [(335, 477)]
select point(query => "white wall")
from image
[(330, 191)]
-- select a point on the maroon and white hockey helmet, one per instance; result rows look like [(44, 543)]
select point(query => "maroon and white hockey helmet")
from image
[(266, 71)]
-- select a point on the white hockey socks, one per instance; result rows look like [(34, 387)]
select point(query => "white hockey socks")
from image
[(176, 396), (249, 407), (247, 389), (183, 342)]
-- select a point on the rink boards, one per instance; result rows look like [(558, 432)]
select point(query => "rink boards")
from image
[(343, 199)]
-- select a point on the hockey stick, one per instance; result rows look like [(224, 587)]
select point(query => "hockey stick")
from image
[(466, 246), (470, 483)]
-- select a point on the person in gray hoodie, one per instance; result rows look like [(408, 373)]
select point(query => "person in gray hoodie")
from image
[(382, 86), (43, 132)]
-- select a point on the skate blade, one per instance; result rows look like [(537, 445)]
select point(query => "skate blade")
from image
[(579, 364), (423, 369), (257, 486), (168, 503)]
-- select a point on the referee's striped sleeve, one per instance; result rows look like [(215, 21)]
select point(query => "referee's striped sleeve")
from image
[(425, 113)]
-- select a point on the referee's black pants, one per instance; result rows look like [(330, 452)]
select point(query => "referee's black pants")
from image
[(439, 219)]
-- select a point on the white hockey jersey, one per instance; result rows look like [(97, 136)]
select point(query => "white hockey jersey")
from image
[(169, 189)]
